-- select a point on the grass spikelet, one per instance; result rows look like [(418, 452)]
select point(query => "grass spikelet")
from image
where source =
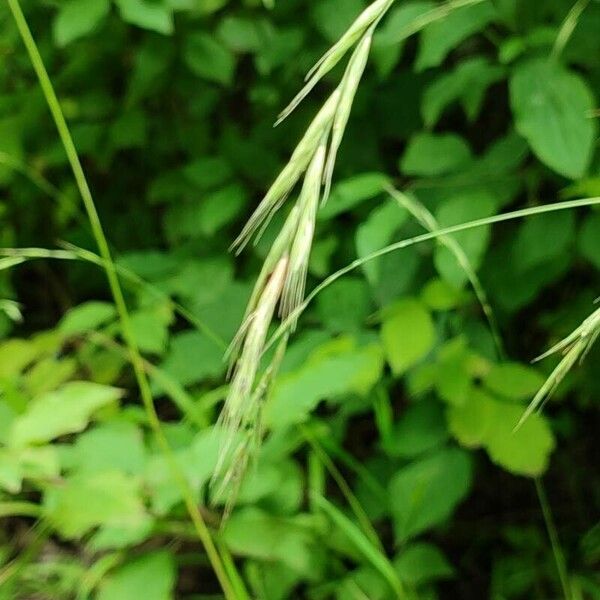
[(574, 349), (348, 87), (238, 410), (291, 173), (372, 14), (308, 203)]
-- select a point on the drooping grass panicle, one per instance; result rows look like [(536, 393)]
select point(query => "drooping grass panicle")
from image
[(574, 348)]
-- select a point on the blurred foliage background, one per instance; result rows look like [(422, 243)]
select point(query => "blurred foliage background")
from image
[(392, 383)]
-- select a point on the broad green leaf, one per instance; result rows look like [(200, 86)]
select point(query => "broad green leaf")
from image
[(453, 379), (209, 59), (421, 563), (347, 194), (333, 17), (192, 357), (86, 501), (440, 295), (344, 305), (87, 317), (255, 533), (484, 421), (551, 106), (150, 576), (421, 428), (242, 34), (66, 410), (151, 328), (443, 35), (16, 464), (462, 208), (336, 368), (467, 84), (155, 16), (471, 421), (531, 248), (77, 18), (525, 451), (514, 381), (110, 446), (15, 355), (424, 493), (407, 334), (375, 233), (429, 155)]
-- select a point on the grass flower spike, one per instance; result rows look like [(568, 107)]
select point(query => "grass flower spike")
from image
[(574, 348)]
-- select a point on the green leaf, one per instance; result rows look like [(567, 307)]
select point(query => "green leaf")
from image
[(344, 305), (86, 501), (345, 12), (407, 334), (152, 576), (78, 18), (375, 233), (422, 427), (424, 493), (471, 421), (463, 207), (350, 192), (110, 446), (67, 410), (193, 357), (87, 317), (484, 421), (531, 248), (429, 154), (551, 106), (421, 563), (254, 533), (467, 84), (150, 328), (525, 451), (155, 16), (209, 59), (443, 35), (336, 368), (514, 381)]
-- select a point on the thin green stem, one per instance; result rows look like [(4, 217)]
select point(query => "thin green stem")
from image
[(117, 292), (559, 557), (352, 500), (419, 239), (568, 26)]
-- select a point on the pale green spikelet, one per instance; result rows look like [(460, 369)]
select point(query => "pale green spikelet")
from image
[(373, 13), (291, 173), (308, 204), (574, 348), (348, 86)]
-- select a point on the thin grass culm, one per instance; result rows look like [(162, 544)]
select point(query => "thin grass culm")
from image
[(135, 357)]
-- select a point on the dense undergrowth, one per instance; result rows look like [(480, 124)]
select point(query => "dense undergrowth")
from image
[(388, 462)]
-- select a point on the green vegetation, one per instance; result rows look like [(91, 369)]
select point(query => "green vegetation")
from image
[(420, 226)]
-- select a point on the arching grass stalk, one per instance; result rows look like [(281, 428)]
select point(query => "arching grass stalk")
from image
[(429, 222), (425, 237), (101, 241)]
